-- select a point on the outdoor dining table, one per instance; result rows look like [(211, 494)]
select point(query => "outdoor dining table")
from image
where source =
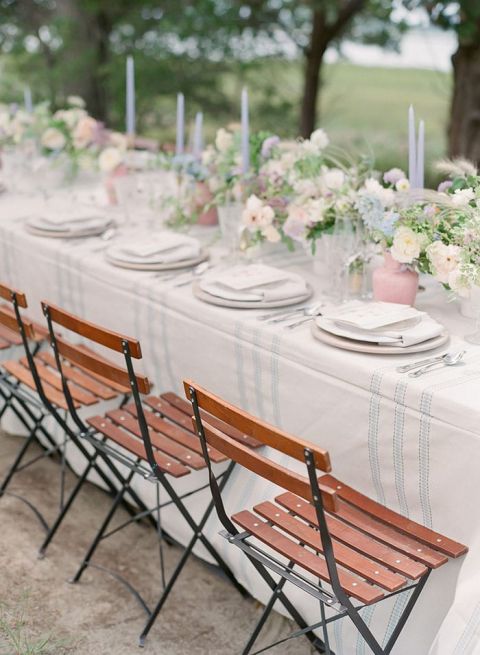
[(413, 444)]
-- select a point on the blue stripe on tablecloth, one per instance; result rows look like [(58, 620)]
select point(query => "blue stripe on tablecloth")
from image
[(7, 253), (397, 609), (367, 615), (242, 392), (257, 372), (469, 638), (373, 424), (275, 380), (398, 442), (424, 456)]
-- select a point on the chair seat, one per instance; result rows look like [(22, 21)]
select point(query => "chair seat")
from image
[(377, 550), (86, 388), (176, 445)]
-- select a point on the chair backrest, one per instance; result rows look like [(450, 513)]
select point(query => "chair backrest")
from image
[(90, 360), (8, 317), (268, 435)]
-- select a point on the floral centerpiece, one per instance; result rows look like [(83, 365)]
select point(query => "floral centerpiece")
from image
[(301, 189)]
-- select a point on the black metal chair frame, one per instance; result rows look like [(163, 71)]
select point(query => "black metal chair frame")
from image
[(262, 560), (16, 394), (155, 475)]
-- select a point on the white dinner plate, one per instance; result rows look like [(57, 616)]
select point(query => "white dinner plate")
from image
[(92, 231), (157, 266), (374, 348), (199, 293)]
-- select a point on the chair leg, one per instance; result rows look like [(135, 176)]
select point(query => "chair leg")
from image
[(101, 531), (406, 613), (21, 453)]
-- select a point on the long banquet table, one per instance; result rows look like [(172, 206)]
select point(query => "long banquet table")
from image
[(412, 444)]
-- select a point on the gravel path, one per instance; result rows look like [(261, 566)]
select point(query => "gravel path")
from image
[(98, 616)]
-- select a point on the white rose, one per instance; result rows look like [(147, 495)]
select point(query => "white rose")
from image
[(118, 140), (53, 139), (76, 101), (333, 179), (256, 214), (402, 184), (306, 188), (223, 140), (208, 156), (462, 197), (406, 246), (84, 132), (271, 234), (319, 139), (444, 259), (109, 159), (458, 283)]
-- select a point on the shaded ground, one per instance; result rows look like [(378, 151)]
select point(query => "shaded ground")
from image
[(98, 616)]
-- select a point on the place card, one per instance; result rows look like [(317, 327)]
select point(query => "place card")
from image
[(371, 315)]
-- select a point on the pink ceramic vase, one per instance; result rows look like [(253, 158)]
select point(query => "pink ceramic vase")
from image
[(119, 171), (203, 196), (394, 282)]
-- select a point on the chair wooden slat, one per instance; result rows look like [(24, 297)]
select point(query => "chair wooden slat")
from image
[(316, 565), (25, 377), (82, 379), (40, 332), (345, 556), (411, 528), (53, 378), (175, 432), (171, 448), (355, 538), (91, 362), (160, 405), (254, 461), (4, 344), (135, 446), (100, 335), (186, 407), (6, 293), (11, 338), (9, 321), (263, 432)]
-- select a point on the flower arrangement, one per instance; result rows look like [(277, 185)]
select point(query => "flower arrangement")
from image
[(301, 189)]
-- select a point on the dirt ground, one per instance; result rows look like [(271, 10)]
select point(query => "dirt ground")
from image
[(203, 615)]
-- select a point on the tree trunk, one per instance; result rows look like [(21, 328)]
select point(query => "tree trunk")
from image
[(313, 65), (464, 128)]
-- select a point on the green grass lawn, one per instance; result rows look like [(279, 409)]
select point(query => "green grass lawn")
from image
[(360, 107)]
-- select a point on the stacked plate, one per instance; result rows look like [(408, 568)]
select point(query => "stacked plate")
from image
[(378, 327), (251, 287), (160, 251), (65, 225)]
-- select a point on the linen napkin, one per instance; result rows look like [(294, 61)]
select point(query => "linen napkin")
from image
[(64, 223), (161, 248), (254, 283), (403, 334), (371, 315)]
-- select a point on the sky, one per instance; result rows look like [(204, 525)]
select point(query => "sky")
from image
[(420, 48)]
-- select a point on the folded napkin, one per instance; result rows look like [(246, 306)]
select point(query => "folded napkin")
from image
[(70, 224), (402, 334), (161, 248), (254, 283), (371, 315)]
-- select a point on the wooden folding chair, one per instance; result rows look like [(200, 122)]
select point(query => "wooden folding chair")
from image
[(153, 438), (320, 529), (31, 387)]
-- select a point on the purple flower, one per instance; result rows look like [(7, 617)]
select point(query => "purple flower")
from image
[(393, 176), (444, 186), (268, 145)]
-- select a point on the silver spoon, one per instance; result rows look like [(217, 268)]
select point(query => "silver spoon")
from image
[(450, 359), (281, 312), (310, 314), (423, 362)]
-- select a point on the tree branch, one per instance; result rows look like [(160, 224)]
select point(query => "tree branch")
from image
[(346, 13)]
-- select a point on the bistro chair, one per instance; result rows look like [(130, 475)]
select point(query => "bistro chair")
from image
[(152, 437), (319, 530), (31, 387)]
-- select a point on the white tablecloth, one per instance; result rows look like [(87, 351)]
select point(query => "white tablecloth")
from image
[(412, 444)]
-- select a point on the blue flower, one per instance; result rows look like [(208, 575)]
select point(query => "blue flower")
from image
[(371, 210)]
